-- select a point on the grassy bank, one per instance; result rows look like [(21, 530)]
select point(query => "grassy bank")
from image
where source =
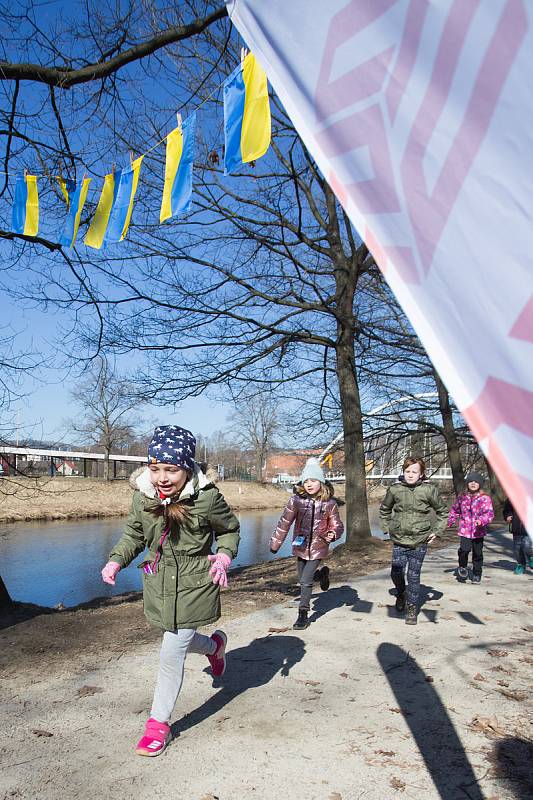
[(24, 499)]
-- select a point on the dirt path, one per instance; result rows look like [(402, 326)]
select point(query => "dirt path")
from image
[(358, 706)]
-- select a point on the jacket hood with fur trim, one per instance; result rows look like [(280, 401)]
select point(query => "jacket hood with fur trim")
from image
[(140, 480)]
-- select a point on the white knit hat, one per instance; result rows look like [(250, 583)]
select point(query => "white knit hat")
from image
[(312, 471)]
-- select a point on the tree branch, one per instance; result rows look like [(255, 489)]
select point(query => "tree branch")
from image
[(66, 77)]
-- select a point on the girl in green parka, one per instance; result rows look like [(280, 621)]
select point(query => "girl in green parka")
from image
[(405, 515), (176, 516)]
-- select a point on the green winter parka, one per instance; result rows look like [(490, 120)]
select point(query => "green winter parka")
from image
[(405, 513), (181, 594)]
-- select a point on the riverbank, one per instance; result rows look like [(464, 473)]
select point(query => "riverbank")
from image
[(77, 686), (26, 499)]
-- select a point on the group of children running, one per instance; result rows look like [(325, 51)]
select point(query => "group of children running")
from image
[(177, 516)]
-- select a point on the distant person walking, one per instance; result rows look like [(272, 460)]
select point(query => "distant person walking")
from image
[(405, 514), (473, 511), (317, 524), (522, 545), (177, 514)]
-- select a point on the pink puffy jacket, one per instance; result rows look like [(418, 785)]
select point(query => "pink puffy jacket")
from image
[(314, 520), (474, 512)]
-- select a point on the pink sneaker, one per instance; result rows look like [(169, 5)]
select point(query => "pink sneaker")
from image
[(155, 739), (218, 659)]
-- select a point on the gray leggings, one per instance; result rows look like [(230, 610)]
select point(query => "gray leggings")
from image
[(306, 574), (174, 648)]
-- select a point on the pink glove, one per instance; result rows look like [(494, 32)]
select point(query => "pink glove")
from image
[(110, 571), (219, 569)]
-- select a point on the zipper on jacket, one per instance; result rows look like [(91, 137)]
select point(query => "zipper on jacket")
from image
[(312, 526)]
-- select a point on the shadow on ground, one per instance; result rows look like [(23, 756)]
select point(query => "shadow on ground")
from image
[(16, 613), (513, 760), (246, 668), (431, 728), (337, 598)]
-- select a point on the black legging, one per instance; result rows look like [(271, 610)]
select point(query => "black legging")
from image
[(476, 545)]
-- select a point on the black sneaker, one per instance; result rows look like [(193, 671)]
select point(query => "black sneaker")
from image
[(324, 579), (302, 622), (476, 578), (399, 605), (410, 617)]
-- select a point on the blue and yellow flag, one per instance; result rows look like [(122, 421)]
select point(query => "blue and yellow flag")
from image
[(177, 190), (98, 227), (76, 201), (122, 209), (26, 206), (247, 124), (67, 187)]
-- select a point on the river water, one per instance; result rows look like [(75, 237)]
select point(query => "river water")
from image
[(48, 563)]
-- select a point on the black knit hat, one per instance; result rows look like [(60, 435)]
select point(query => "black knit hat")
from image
[(475, 476), (172, 445)]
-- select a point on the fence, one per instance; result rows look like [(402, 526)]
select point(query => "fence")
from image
[(34, 462)]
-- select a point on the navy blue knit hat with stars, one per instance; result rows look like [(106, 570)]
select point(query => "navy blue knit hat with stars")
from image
[(172, 445)]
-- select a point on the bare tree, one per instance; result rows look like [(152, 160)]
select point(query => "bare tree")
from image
[(65, 74), (5, 599), (15, 366), (263, 284), (107, 407), (254, 426)]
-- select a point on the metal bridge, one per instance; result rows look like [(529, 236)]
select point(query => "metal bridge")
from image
[(14, 459)]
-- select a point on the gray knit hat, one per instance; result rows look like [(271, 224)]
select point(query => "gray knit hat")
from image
[(475, 476), (312, 471)]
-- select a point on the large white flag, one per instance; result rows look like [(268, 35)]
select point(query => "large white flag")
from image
[(420, 115)]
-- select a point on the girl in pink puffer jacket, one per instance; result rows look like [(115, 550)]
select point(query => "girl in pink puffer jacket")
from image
[(473, 511), (317, 523)]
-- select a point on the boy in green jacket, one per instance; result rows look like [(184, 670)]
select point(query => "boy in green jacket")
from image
[(405, 515)]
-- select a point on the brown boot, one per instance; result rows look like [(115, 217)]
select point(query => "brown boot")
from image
[(410, 616)]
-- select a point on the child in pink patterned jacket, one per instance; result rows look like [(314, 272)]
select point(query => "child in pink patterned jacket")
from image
[(317, 524), (473, 511)]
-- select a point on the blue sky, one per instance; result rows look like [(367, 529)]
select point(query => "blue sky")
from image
[(46, 402)]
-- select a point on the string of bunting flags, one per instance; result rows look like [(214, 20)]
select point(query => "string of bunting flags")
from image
[(247, 133)]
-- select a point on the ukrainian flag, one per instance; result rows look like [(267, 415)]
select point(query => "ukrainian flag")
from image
[(120, 216), (98, 227), (26, 206), (67, 187), (247, 126), (76, 201), (177, 190), (115, 207)]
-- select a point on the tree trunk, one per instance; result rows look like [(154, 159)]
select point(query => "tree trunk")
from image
[(107, 471), (259, 461), (497, 493), (5, 599), (357, 523), (450, 436)]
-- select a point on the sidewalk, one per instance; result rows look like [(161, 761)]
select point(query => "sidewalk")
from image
[(357, 706)]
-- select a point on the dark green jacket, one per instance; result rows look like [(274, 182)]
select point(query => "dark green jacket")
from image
[(181, 594), (405, 513)]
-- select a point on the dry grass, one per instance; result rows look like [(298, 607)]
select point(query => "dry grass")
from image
[(74, 498)]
